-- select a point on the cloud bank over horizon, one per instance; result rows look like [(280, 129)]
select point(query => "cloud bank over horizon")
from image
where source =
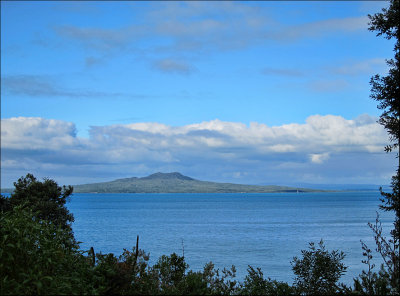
[(222, 91), (324, 149)]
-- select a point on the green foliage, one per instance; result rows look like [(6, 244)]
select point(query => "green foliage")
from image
[(388, 248), (171, 273), (318, 271), (4, 204), (386, 91), (107, 276), (220, 283), (370, 282), (125, 275), (255, 284), (196, 284), (169, 276), (38, 257), (46, 199), (38, 252)]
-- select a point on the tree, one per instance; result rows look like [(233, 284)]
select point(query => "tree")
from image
[(46, 199), (319, 271), (370, 282), (171, 273), (255, 284), (38, 257), (386, 90)]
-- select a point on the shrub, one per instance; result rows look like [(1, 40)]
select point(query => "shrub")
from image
[(37, 257), (318, 271), (255, 284)]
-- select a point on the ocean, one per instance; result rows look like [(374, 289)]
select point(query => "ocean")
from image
[(262, 230)]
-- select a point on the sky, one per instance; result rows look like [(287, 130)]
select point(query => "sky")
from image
[(264, 92)]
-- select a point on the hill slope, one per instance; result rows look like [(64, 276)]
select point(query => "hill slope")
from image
[(176, 183)]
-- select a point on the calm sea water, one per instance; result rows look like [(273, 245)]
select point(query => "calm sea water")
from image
[(262, 230)]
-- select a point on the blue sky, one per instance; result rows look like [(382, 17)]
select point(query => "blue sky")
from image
[(245, 92)]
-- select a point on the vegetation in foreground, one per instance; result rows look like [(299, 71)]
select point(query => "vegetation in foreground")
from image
[(39, 254)]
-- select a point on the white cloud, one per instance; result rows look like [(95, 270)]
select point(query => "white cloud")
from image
[(319, 158), (30, 133), (320, 133), (206, 150)]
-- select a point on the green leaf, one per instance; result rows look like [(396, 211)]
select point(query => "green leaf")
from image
[(38, 284)]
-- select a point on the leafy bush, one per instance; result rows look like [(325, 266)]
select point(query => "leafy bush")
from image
[(255, 284), (220, 283), (46, 199), (171, 273), (370, 282), (38, 257), (318, 272)]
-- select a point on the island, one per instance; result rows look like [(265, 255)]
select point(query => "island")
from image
[(177, 183)]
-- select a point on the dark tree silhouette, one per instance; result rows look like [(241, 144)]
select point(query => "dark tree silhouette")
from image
[(46, 199), (386, 90)]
